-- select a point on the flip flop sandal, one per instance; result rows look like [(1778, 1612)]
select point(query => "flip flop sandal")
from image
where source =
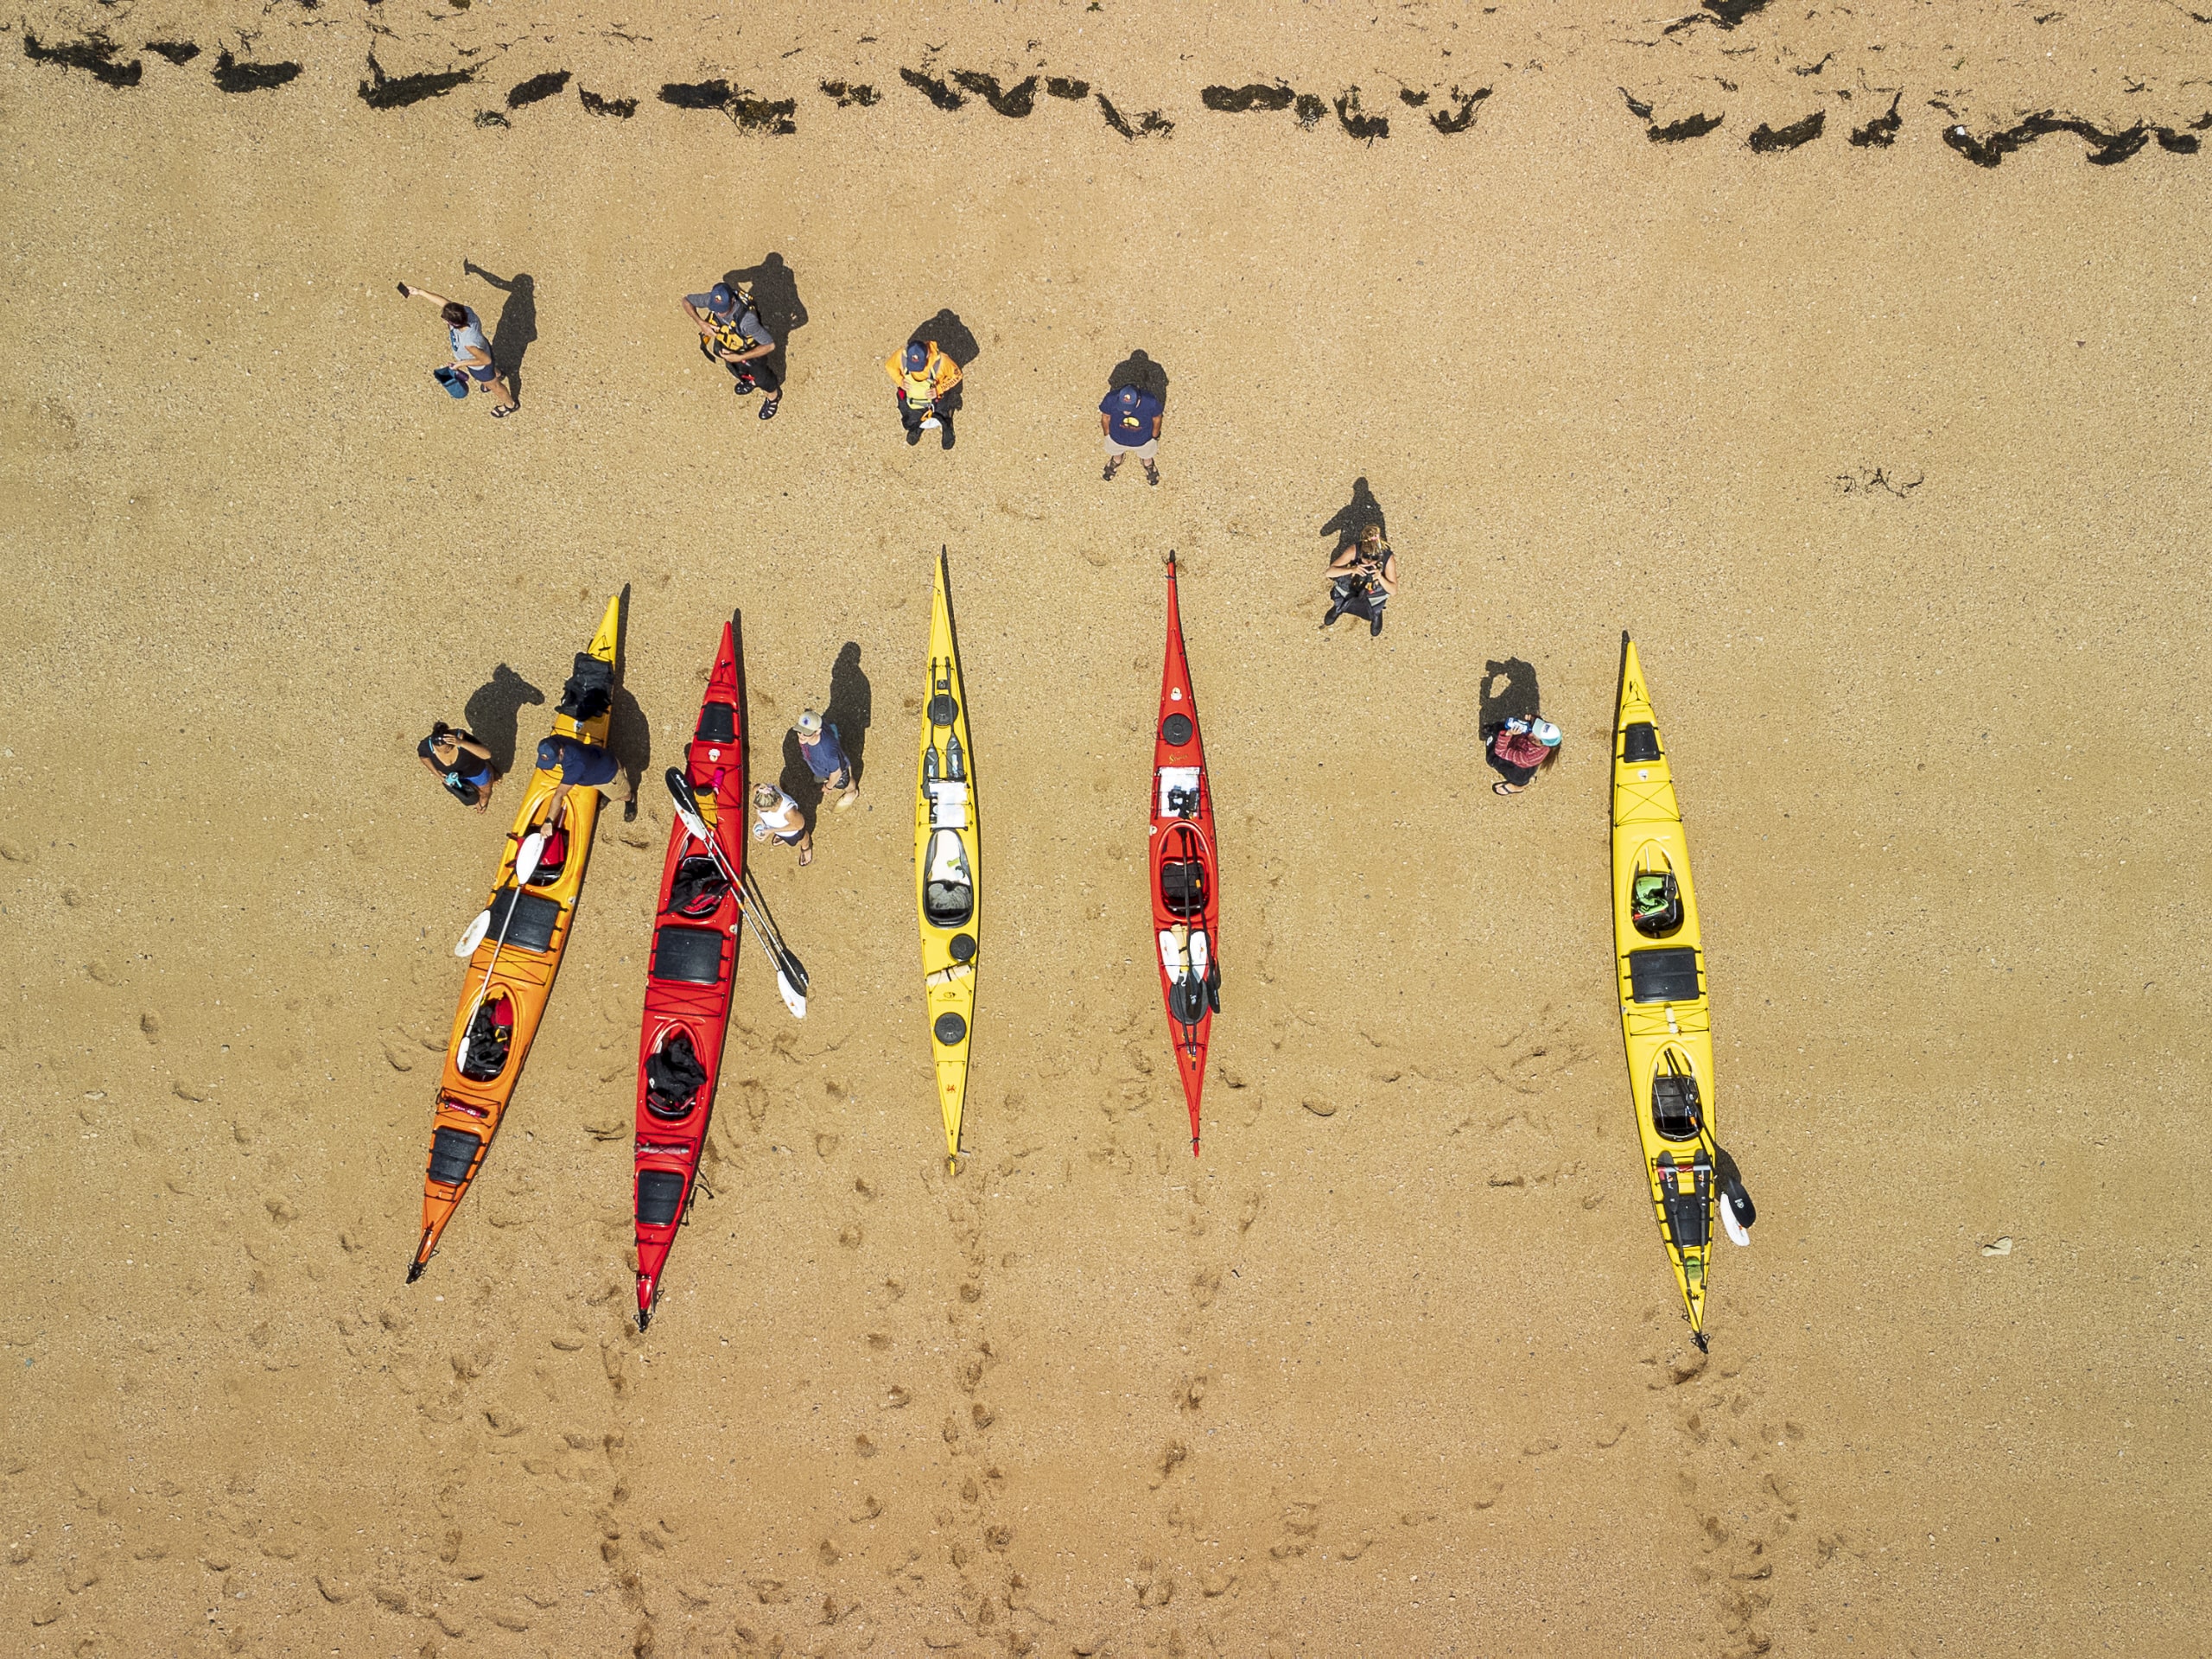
[(806, 858), (1501, 788), (768, 408), (500, 411)]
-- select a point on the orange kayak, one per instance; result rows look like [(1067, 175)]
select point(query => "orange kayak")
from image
[(510, 971)]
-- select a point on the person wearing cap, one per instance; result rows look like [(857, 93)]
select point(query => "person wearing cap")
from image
[(779, 816), (1516, 748), (472, 352), (730, 332), (461, 763), (825, 758), (580, 765), (1362, 578), (922, 375), (1130, 419)]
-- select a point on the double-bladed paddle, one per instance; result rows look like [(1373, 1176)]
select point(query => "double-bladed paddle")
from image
[(791, 974), (526, 857)]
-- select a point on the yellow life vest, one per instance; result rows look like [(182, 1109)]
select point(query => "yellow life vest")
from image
[(728, 335)]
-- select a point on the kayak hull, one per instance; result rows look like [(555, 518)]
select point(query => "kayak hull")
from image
[(948, 864), (690, 975), (1184, 868), (519, 972), (1660, 970)]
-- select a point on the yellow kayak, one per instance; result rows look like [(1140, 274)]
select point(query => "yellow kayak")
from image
[(1665, 1016), (946, 845)]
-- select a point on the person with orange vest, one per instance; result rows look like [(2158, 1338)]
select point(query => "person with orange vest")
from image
[(922, 375)]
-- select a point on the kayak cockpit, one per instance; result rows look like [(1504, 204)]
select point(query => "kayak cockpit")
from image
[(552, 859), (674, 1076), (1654, 897), (948, 885), (1677, 1113), (698, 888), (491, 1034)]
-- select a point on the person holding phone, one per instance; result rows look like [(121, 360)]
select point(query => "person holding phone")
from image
[(472, 352), (461, 763), (1362, 578), (1516, 749)]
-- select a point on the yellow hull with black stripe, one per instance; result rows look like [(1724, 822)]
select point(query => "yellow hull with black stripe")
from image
[(1665, 1013), (947, 864)]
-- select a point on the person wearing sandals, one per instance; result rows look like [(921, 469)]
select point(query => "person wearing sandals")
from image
[(924, 375), (1130, 419), (730, 333), (1362, 578), (472, 352), (461, 763), (826, 760), (779, 816), (1516, 749)]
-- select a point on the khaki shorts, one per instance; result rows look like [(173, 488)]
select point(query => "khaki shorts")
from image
[(1145, 451)]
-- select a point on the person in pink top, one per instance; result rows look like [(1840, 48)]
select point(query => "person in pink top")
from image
[(1516, 749)]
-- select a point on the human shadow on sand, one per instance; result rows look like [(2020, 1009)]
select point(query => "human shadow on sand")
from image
[(517, 328), (494, 710), (1355, 516), (1140, 371), (1508, 692), (852, 706), (954, 339), (629, 734)]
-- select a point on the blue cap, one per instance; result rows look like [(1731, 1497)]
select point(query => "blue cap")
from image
[(1127, 397), (549, 754), (721, 299), (918, 354)]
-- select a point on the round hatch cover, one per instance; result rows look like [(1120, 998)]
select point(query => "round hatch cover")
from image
[(949, 1029), (964, 950), (1176, 728), (943, 709)]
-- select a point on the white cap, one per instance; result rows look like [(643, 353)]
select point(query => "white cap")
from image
[(810, 722), (1545, 733)]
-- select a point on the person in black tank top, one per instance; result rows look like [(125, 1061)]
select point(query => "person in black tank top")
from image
[(462, 765)]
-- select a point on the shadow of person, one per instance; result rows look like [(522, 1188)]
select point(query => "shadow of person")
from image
[(852, 706), (798, 780), (1508, 692), (1140, 371), (777, 303), (517, 328), (494, 710), (630, 740), (1355, 516), (952, 339)]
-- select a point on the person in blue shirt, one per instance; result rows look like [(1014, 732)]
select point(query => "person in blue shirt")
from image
[(580, 765), (826, 760), (1130, 419)]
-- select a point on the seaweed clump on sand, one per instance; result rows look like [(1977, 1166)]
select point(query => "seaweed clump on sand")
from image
[(1309, 110), (179, 52), (620, 108), (1236, 100), (933, 89), (1061, 87), (1690, 126), (1015, 103), (847, 95), (1773, 141), (383, 92), (1366, 128), (492, 118), (1462, 118), (538, 88), (768, 114), (1881, 131), (94, 55), (1151, 123), (232, 76), (2105, 148)]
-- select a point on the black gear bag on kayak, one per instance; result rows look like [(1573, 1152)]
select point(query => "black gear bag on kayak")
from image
[(673, 1076), (589, 692)]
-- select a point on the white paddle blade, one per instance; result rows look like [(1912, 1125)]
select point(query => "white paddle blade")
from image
[(474, 935), (1735, 1229), (526, 857), (794, 999), (460, 1053), (687, 805)]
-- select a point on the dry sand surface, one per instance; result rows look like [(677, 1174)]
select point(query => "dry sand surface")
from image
[(1894, 463)]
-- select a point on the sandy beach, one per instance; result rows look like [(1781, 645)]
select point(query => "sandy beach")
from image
[(1889, 450)]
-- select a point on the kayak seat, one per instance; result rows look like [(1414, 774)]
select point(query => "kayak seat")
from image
[(1674, 1106), (1665, 976), (692, 956), (1183, 888), (1639, 742), (660, 1194), (535, 919), (453, 1154), (948, 886), (1656, 903), (717, 723), (489, 1036), (552, 859)]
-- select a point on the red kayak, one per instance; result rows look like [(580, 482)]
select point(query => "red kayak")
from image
[(688, 979), (1185, 871)]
